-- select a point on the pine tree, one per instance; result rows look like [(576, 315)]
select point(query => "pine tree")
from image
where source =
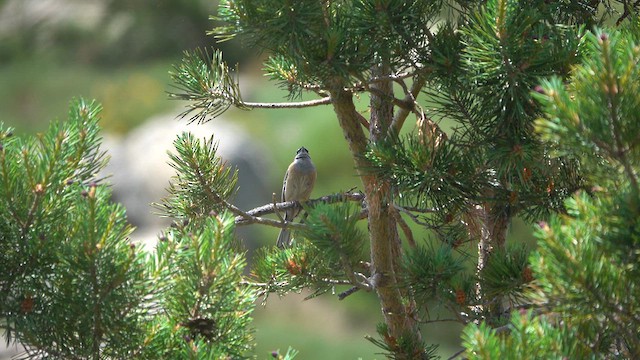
[(475, 71), (586, 296), (74, 286), (475, 76)]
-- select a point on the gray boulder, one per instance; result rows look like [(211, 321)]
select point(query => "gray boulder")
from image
[(139, 171)]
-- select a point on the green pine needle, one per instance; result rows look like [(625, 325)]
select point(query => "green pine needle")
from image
[(333, 228), (202, 181), (429, 271), (507, 273), (207, 83)]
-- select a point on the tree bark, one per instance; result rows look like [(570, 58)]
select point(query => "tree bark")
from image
[(383, 234)]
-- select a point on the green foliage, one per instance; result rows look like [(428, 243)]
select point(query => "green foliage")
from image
[(98, 280), (481, 76), (293, 270), (402, 345), (601, 124), (333, 229), (434, 174), (206, 308), (310, 35), (330, 250), (530, 337), (586, 264), (397, 27), (206, 305), (331, 39), (283, 271), (433, 272), (71, 282), (584, 276), (73, 285), (441, 273), (506, 274), (206, 81), (201, 181), (477, 70), (508, 48)]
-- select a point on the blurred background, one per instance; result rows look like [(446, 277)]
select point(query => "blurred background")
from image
[(119, 52)]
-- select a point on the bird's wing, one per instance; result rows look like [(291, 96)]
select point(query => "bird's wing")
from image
[(284, 186)]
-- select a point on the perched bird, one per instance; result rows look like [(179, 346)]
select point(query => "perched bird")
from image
[(297, 185)]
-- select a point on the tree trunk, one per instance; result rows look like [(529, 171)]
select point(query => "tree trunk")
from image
[(383, 235)]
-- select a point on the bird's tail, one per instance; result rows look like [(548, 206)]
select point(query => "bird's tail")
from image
[(284, 239)]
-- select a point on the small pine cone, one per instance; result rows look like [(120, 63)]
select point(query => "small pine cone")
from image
[(39, 189), (461, 297), (527, 274), (293, 268), (513, 197), (27, 304)]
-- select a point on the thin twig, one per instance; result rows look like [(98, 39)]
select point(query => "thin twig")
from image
[(366, 284), (288, 105), (364, 122), (394, 77), (457, 354), (348, 292), (412, 216), (410, 97), (440, 320), (404, 226), (627, 11), (408, 209), (249, 219)]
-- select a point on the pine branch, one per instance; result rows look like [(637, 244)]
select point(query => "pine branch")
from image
[(613, 99), (207, 83), (410, 97), (288, 105), (405, 228), (245, 217), (456, 354), (629, 9)]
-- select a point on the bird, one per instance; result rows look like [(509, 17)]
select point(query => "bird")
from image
[(297, 186)]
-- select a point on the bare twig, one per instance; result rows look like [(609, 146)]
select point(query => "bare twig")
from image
[(364, 122), (348, 292), (413, 217), (404, 226), (367, 284), (288, 105), (457, 354), (441, 320), (247, 218), (409, 209), (394, 77), (628, 10), (410, 97)]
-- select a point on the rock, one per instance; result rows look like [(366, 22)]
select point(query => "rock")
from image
[(18, 15), (140, 173)]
